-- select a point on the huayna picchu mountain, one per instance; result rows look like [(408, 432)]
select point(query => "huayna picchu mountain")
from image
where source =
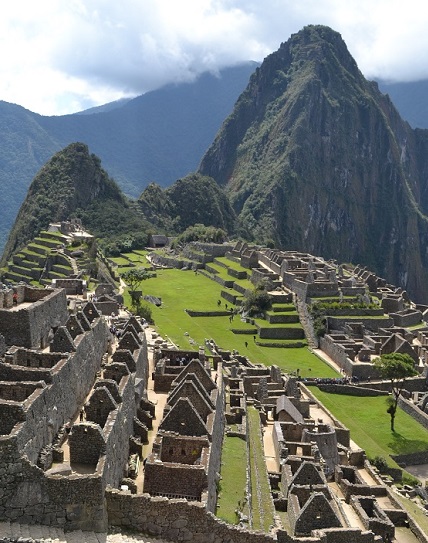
[(73, 184), (316, 159)]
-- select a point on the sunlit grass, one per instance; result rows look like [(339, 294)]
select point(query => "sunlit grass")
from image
[(233, 479), (369, 423), (180, 290)]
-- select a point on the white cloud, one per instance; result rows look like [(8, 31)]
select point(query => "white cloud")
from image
[(60, 56)]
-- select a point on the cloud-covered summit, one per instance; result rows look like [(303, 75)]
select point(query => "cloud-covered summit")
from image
[(63, 56)]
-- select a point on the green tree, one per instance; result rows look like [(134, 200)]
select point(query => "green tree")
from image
[(396, 367), (133, 278), (258, 301)]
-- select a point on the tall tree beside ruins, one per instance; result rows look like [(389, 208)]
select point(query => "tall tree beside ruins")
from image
[(396, 367), (133, 278)]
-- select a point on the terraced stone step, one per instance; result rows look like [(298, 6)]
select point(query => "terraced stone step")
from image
[(49, 243), (282, 318), (55, 275), (11, 277), (60, 238), (33, 273), (20, 260), (32, 257), (39, 249), (65, 270)]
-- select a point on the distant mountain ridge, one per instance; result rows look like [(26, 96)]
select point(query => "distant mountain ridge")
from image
[(411, 100), (73, 184), (159, 136), (312, 157), (315, 158)]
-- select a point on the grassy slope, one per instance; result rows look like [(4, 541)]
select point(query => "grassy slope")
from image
[(370, 425), (183, 289), (233, 479)]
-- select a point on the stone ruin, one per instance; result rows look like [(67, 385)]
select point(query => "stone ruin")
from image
[(65, 465), (57, 464)]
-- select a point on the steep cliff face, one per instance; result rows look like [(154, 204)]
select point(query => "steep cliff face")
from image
[(72, 180), (194, 199), (315, 158)]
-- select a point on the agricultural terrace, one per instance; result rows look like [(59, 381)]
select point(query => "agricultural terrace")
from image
[(180, 290), (369, 423)]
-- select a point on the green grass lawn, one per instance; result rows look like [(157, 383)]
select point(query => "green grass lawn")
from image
[(262, 510), (233, 479), (231, 264), (137, 258), (119, 260), (369, 424), (265, 324), (183, 289)]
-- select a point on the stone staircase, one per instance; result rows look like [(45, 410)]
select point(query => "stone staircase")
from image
[(14, 532), (29, 264)]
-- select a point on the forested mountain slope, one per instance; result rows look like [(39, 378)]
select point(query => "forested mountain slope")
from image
[(316, 158), (159, 136)]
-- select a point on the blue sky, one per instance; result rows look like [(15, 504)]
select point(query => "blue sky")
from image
[(62, 56)]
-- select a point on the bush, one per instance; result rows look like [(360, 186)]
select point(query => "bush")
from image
[(380, 463), (257, 302), (145, 311)]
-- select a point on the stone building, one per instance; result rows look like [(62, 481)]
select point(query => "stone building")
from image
[(41, 396), (29, 316), (185, 459)]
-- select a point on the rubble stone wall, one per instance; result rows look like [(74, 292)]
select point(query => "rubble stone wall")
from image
[(30, 326), (216, 442), (174, 520)]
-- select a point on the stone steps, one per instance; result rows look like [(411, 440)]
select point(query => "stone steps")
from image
[(15, 532)]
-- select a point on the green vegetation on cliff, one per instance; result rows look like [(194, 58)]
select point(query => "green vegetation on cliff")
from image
[(315, 158), (195, 199), (73, 184)]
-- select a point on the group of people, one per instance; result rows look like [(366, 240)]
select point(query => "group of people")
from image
[(332, 380)]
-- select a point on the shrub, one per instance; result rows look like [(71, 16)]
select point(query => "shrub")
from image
[(145, 311), (380, 463)]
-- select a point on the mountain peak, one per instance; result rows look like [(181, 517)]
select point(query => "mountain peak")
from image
[(72, 179), (315, 158)]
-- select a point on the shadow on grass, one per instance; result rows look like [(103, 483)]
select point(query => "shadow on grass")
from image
[(403, 445)]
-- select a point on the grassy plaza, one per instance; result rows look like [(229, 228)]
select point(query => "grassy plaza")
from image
[(369, 423), (180, 290)]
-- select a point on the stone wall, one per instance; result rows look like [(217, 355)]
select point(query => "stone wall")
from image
[(30, 326), (71, 383), (406, 318), (281, 333), (118, 428), (175, 520), (413, 411), (336, 323), (214, 249), (32, 495), (177, 480), (216, 441), (351, 390), (339, 355), (71, 286), (31, 359), (108, 307)]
